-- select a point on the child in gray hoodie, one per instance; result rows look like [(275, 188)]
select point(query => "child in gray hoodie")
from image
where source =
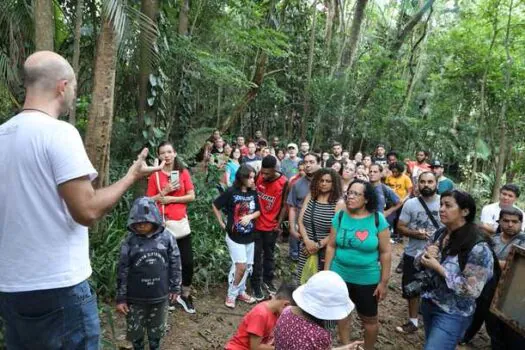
[(149, 274)]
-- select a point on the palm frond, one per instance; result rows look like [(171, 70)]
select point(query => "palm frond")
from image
[(195, 139), (8, 70), (128, 22)]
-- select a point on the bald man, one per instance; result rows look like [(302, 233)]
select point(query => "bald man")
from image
[(47, 202)]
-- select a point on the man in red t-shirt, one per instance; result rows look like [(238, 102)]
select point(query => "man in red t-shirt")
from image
[(256, 328), (271, 187), (415, 168)]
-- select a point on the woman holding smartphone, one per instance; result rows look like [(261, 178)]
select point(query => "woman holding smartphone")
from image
[(172, 189)]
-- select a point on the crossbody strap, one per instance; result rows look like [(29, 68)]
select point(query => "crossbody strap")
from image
[(511, 242), (312, 222), (430, 216), (157, 177)]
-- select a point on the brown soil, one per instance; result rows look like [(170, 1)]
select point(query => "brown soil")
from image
[(214, 324)]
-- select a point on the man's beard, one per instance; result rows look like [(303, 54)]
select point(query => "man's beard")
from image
[(427, 192)]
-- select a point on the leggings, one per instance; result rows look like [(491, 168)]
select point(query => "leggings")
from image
[(186, 260)]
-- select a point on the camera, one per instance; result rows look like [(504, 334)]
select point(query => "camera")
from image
[(423, 281)]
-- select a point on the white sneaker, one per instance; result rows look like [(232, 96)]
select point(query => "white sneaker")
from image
[(248, 299), (230, 303)]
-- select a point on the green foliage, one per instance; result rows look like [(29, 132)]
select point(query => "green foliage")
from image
[(211, 256)]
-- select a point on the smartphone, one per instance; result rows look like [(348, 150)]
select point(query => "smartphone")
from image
[(174, 176)]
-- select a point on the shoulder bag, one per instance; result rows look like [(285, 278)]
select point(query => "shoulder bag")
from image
[(178, 228)]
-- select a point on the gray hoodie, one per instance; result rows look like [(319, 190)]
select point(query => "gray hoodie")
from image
[(149, 267)]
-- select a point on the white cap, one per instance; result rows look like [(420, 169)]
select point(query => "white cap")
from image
[(324, 296), (292, 145)]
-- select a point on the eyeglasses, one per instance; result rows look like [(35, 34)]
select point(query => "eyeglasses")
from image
[(353, 194)]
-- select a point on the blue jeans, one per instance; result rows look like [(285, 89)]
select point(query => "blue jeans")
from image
[(63, 318), (293, 244), (442, 331)]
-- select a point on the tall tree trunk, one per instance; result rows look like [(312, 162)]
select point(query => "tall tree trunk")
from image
[(150, 8), (44, 25), (503, 113), (306, 105), (76, 51), (414, 73), (330, 15), (483, 100), (98, 133), (510, 174), (359, 14), (393, 49), (183, 17), (219, 100), (258, 78)]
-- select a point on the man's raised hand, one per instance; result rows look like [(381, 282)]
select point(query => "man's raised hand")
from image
[(140, 168)]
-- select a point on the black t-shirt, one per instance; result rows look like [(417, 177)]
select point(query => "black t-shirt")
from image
[(332, 160), (235, 204), (380, 160)]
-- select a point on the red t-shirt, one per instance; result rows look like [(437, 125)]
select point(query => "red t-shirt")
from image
[(174, 211), (270, 201), (416, 169), (259, 321), (244, 150)]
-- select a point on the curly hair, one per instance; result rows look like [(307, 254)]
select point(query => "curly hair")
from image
[(337, 188), (369, 194)]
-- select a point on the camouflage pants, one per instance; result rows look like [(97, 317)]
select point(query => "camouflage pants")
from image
[(146, 318)]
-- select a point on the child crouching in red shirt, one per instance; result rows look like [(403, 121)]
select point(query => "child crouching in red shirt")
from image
[(256, 328)]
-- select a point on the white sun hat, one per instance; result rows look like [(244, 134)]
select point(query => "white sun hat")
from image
[(324, 296)]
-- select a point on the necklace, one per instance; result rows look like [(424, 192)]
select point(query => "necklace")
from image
[(36, 110)]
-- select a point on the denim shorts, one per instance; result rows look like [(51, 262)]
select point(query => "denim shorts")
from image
[(63, 318), (240, 253)]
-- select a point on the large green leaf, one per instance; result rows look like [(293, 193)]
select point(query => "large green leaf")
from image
[(482, 149)]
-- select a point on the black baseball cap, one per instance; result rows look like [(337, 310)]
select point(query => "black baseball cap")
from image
[(436, 164)]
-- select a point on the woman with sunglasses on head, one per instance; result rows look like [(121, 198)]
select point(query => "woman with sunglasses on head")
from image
[(317, 211), (359, 250), (460, 263)]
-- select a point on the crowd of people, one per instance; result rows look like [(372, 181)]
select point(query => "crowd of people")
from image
[(341, 215), (348, 211)]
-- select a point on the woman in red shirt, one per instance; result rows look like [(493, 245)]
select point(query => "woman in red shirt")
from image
[(172, 190)]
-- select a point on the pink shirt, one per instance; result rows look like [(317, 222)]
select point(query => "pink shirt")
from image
[(293, 332)]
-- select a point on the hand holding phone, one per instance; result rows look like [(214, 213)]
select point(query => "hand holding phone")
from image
[(174, 179)]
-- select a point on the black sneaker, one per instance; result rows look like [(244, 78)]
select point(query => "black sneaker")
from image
[(407, 328), (257, 293), (270, 288), (399, 268), (186, 303)]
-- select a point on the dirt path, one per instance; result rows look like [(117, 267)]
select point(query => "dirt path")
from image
[(214, 324)]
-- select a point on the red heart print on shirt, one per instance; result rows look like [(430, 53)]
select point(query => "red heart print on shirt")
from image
[(361, 235)]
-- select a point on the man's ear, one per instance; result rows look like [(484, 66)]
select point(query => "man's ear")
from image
[(61, 87)]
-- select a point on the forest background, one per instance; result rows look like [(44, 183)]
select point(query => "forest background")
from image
[(444, 76)]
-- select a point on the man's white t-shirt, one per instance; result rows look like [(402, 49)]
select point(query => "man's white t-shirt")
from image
[(490, 215), (41, 246)]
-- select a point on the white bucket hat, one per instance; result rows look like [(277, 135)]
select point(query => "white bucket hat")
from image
[(324, 296)]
